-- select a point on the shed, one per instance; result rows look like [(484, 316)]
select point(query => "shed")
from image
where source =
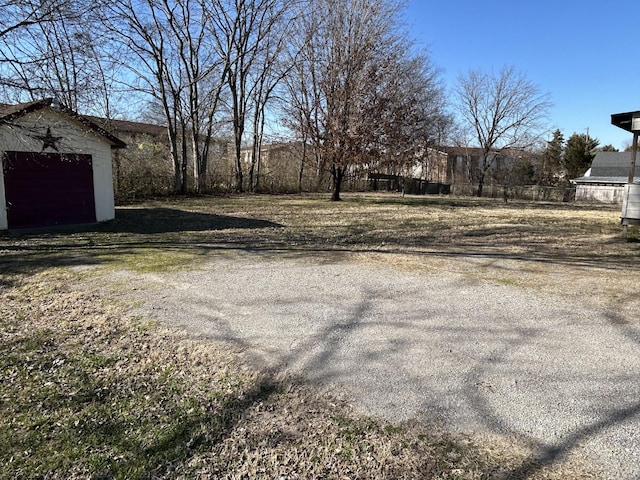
[(56, 167), (605, 180)]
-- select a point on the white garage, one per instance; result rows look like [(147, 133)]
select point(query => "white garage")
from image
[(56, 167)]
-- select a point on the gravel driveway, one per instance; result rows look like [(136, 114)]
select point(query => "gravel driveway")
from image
[(472, 356)]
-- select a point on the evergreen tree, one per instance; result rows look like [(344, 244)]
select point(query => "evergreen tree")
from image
[(550, 170), (608, 148), (578, 154)]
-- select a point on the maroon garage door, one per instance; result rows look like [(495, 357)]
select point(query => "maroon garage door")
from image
[(48, 189)]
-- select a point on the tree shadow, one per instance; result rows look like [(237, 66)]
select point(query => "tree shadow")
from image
[(114, 443), (319, 355), (545, 453), (27, 251), (149, 221), (552, 453), (169, 220)]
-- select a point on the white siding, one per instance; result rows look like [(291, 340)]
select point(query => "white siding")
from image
[(75, 138), (631, 205), (599, 193)]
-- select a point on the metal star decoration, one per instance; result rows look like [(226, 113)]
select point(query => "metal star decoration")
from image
[(48, 140)]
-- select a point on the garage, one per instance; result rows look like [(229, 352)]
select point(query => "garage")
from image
[(56, 167), (48, 189)]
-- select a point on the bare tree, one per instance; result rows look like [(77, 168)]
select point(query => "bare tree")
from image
[(142, 27), (205, 69), (355, 31), (46, 51), (358, 95), (251, 32), (59, 58), (405, 114), (172, 60), (304, 106), (268, 74), (21, 14), (504, 110)]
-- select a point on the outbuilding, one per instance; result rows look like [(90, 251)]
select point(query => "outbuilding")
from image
[(56, 167), (605, 180)]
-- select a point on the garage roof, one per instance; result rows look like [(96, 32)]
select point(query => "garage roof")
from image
[(11, 112)]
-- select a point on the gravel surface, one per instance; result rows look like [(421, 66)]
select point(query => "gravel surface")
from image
[(472, 356)]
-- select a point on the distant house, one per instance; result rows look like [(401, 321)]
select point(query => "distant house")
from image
[(278, 167), (432, 166), (605, 180), (56, 167), (428, 173), (464, 165), (146, 167)]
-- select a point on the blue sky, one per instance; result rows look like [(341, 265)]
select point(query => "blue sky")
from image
[(583, 53)]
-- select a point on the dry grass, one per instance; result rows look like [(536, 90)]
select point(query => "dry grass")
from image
[(88, 391)]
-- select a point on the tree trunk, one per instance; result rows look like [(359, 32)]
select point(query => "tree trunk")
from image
[(185, 161), (486, 163), (337, 174), (250, 175), (480, 185), (320, 169), (239, 175), (202, 176), (302, 161), (258, 153), (254, 166), (199, 167), (175, 157), (257, 185)]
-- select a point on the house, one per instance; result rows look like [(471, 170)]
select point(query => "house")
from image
[(278, 168), (56, 167), (432, 166), (427, 174), (146, 168), (465, 165), (605, 180), (462, 164)]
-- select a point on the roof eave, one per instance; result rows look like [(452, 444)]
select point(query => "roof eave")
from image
[(624, 120), (26, 108), (116, 143)]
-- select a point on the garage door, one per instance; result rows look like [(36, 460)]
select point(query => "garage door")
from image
[(48, 189)]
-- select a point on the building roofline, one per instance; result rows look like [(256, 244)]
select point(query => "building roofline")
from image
[(614, 181), (11, 112), (129, 126)]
